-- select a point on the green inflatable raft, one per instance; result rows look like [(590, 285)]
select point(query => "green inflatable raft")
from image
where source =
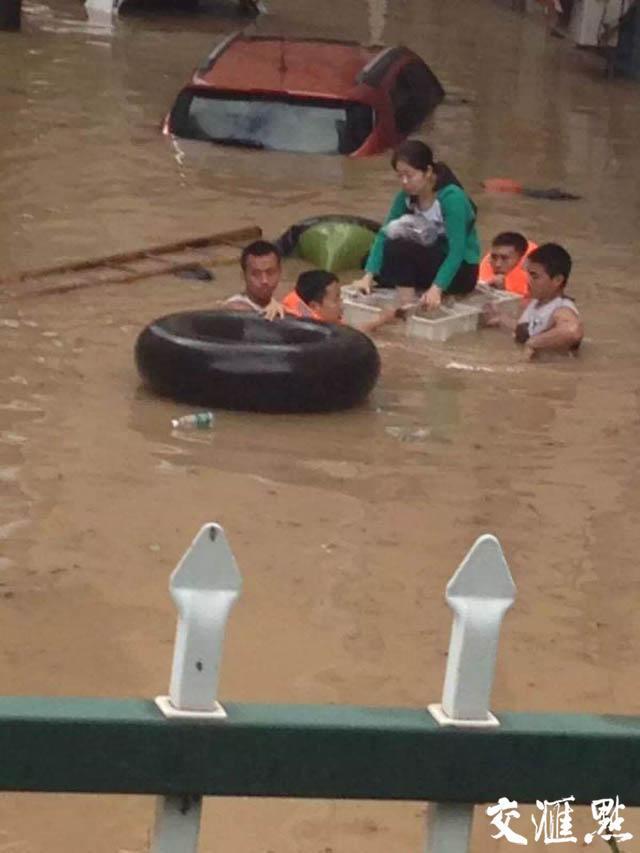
[(334, 242)]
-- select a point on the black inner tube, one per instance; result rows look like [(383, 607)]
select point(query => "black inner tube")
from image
[(235, 328), (239, 360)]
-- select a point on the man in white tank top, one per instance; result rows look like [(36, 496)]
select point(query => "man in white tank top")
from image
[(261, 269), (551, 320)]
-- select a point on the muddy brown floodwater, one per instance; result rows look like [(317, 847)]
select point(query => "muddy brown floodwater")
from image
[(346, 527)]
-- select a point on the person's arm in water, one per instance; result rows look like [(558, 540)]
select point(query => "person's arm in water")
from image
[(374, 259), (495, 280), (498, 281), (387, 316), (493, 318), (274, 310), (455, 213), (236, 305), (566, 332)]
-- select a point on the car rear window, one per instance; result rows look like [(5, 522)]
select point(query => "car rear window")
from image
[(314, 126)]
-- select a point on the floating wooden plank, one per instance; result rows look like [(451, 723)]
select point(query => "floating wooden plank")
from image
[(126, 267), (188, 256), (252, 232), (153, 266)]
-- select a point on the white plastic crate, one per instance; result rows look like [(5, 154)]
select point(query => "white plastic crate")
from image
[(357, 312), (511, 303), (358, 308), (350, 292), (457, 317), (452, 320), (382, 296)]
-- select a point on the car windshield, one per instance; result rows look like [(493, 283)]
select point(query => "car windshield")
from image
[(312, 126)]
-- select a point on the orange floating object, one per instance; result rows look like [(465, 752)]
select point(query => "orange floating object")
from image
[(502, 185)]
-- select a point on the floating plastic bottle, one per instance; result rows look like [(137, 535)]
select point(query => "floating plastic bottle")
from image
[(200, 420)]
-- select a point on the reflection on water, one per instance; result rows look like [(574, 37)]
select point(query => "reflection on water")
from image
[(377, 19), (100, 18), (347, 526)]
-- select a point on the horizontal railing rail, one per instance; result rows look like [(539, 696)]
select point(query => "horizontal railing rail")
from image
[(76, 745)]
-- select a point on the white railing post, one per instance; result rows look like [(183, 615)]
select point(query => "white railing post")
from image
[(479, 593), (102, 13), (204, 586)]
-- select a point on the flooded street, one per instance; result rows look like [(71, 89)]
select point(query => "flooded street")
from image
[(346, 527)]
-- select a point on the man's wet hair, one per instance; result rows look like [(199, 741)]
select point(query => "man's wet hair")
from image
[(312, 285), (514, 239), (258, 249), (554, 259)]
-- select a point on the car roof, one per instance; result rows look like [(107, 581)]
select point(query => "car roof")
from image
[(266, 63)]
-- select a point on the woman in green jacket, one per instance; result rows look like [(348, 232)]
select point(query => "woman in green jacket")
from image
[(428, 241)]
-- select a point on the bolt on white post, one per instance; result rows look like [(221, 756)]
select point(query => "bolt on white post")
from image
[(479, 593), (204, 586)]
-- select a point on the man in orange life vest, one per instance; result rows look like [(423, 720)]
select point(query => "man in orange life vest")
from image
[(503, 268), (317, 297), (551, 320)]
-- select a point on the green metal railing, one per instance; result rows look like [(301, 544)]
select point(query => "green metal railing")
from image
[(331, 752), (185, 746)]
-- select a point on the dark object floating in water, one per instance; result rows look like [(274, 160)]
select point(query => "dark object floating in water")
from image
[(552, 194), (253, 7), (197, 272), (333, 242), (219, 8), (506, 185), (452, 100), (239, 360)]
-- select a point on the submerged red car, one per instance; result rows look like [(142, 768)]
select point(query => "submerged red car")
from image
[(310, 95)]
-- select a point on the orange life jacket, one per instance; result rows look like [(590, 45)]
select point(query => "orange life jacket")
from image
[(517, 281), (294, 305)]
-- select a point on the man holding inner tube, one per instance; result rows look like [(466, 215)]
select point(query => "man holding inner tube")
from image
[(261, 269)]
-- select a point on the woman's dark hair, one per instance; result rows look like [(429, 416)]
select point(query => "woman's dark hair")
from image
[(414, 152), (312, 285), (419, 156)]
